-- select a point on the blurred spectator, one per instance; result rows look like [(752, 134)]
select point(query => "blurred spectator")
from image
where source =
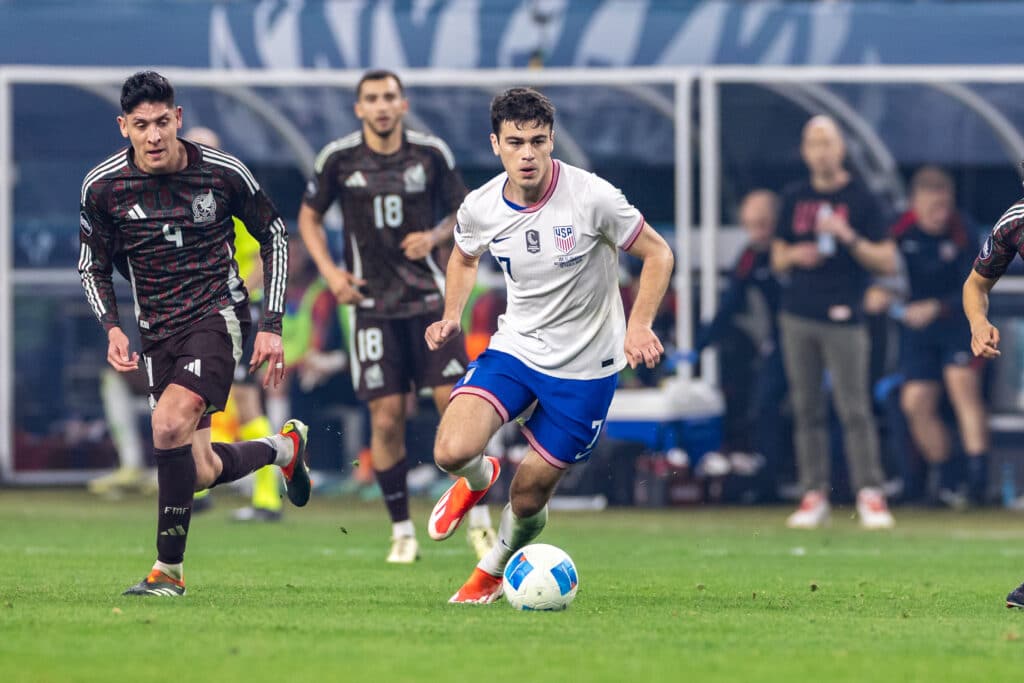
[(830, 238), (938, 250), (745, 330)]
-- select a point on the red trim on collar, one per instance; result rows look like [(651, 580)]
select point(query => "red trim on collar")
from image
[(555, 172)]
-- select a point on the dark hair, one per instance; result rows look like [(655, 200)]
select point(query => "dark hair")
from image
[(931, 178), (379, 75), (519, 106), (145, 86)]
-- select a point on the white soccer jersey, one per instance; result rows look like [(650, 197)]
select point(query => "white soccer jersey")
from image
[(564, 315)]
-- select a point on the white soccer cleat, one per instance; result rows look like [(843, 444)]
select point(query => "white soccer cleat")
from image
[(404, 550), (118, 482), (481, 539), (873, 510), (814, 511)]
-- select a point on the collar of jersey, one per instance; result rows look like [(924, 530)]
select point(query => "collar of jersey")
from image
[(555, 172), (192, 153)]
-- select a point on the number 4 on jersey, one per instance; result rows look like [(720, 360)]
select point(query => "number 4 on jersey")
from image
[(172, 234)]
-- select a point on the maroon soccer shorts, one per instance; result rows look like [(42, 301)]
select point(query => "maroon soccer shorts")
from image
[(201, 358), (390, 356)]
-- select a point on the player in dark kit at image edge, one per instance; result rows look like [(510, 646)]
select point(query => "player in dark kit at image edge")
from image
[(998, 251), (160, 211)]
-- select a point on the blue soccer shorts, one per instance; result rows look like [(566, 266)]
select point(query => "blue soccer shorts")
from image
[(569, 414)]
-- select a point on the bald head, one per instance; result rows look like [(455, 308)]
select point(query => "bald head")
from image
[(203, 135), (826, 123), (823, 151), (757, 216)]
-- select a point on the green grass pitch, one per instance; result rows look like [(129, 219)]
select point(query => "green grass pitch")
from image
[(667, 595)]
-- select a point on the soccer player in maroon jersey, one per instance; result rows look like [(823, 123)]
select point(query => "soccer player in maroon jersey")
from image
[(160, 210), (1005, 242), (398, 190)]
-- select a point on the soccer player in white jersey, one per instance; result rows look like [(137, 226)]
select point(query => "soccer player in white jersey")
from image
[(554, 229)]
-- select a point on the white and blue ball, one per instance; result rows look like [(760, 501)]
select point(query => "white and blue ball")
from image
[(540, 577)]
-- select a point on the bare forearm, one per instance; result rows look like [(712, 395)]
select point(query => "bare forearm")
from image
[(780, 261), (975, 301), (311, 228), (878, 257), (654, 279), (459, 281), (444, 231)]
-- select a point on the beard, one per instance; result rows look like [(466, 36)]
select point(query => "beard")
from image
[(383, 132)]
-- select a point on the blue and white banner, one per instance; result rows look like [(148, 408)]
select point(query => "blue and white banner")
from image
[(502, 33)]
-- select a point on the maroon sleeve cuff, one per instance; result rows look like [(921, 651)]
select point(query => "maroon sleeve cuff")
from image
[(271, 322)]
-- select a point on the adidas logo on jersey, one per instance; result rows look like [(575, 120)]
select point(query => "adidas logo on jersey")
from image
[(356, 180), (195, 367), (453, 369)]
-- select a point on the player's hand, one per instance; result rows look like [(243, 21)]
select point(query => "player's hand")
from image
[(440, 333), (268, 349), (921, 313), (344, 286), (417, 245), (118, 352), (985, 340), (805, 255), (642, 346)]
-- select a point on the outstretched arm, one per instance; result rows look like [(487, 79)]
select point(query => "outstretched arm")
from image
[(642, 345), (984, 335), (459, 281), (343, 284)]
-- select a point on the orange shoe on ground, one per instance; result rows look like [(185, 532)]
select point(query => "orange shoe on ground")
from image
[(158, 583), (480, 589), (453, 505)]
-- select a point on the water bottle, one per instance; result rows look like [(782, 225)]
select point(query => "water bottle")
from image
[(826, 240)]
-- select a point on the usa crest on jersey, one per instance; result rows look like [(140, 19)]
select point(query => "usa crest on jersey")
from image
[(565, 238)]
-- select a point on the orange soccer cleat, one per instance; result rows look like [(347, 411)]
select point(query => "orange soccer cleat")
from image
[(453, 505), (480, 589)]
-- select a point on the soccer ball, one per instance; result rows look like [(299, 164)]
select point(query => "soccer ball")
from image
[(540, 577)]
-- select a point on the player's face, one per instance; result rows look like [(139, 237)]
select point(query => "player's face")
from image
[(381, 106), (933, 209), (823, 150), (152, 128), (525, 152)]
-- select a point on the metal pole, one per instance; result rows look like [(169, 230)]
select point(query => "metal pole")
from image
[(710, 191), (684, 220), (6, 286)]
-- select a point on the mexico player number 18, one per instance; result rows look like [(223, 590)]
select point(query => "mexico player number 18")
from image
[(387, 210)]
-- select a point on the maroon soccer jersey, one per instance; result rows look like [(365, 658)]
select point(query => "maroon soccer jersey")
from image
[(1005, 242), (384, 198), (172, 236)]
